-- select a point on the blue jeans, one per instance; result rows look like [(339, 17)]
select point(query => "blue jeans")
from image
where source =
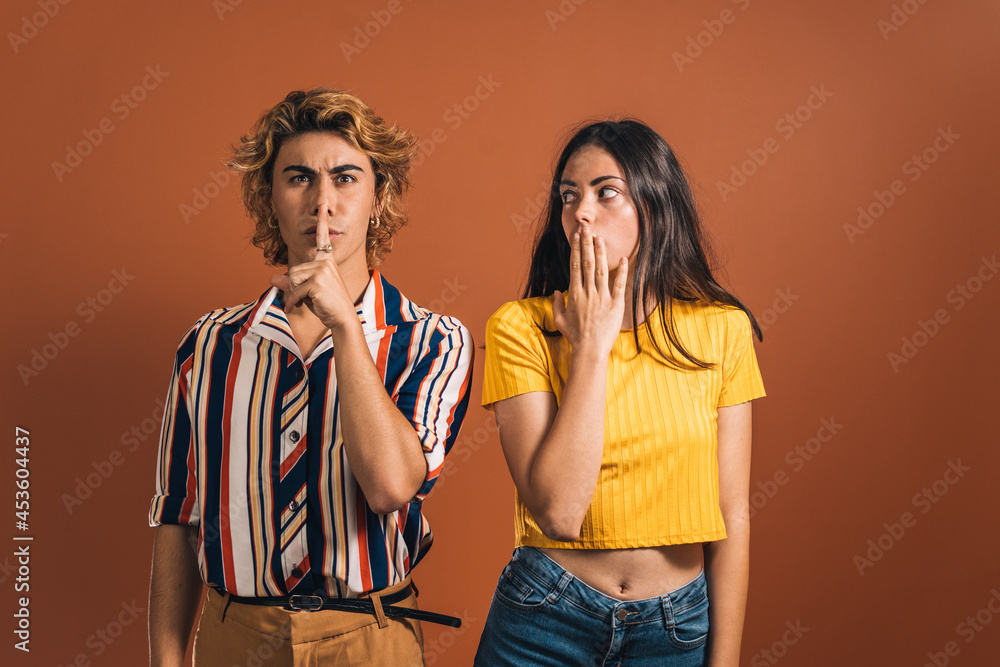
[(543, 615)]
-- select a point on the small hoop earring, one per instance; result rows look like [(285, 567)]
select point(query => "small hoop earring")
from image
[(375, 223), (272, 221)]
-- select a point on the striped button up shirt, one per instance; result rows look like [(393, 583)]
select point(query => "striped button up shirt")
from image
[(251, 449)]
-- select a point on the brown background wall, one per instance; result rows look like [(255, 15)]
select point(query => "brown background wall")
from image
[(849, 436)]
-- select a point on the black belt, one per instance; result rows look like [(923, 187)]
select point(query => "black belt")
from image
[(356, 605)]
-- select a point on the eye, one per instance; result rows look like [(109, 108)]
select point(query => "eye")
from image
[(299, 178), (607, 192), (345, 178), (567, 196)]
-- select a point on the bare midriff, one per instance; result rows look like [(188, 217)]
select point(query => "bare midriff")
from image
[(632, 574)]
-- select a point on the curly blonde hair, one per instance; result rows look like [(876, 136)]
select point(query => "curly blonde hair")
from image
[(389, 148)]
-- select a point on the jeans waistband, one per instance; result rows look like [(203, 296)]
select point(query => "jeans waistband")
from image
[(564, 584)]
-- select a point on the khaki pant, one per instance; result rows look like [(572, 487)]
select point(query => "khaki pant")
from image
[(239, 635)]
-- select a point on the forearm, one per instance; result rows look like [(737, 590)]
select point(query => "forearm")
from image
[(382, 446), (565, 471), (175, 588), (727, 570)]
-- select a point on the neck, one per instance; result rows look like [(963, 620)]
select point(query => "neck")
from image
[(627, 322)]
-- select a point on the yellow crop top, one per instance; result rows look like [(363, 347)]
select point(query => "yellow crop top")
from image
[(659, 480)]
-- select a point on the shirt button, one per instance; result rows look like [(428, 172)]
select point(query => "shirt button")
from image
[(294, 436), (299, 374), (293, 506), (622, 614), (297, 573)]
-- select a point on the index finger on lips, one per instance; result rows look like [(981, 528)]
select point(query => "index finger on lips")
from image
[(322, 239)]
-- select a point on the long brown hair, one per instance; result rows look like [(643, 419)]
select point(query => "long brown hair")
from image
[(672, 261)]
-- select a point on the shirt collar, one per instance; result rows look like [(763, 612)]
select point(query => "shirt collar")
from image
[(384, 306)]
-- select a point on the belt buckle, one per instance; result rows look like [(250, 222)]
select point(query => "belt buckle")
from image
[(305, 602)]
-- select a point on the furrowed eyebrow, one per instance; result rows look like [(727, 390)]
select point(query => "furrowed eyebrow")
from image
[(346, 167), (301, 168), (312, 172)]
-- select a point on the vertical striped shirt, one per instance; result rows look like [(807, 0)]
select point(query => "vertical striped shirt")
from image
[(659, 478), (251, 450)]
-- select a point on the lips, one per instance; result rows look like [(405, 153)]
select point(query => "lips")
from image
[(311, 232)]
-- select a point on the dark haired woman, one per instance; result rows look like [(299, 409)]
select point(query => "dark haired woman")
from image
[(621, 385)]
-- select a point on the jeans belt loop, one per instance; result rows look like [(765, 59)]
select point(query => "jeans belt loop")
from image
[(668, 612), (561, 585)]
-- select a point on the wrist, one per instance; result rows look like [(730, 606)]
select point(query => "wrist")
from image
[(345, 329), (589, 356)]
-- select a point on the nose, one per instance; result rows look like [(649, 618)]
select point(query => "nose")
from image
[(585, 211), (322, 205)]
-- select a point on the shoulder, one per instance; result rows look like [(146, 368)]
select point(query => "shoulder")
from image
[(718, 317), (525, 314), (402, 312), (737, 322), (231, 316), (215, 322)]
